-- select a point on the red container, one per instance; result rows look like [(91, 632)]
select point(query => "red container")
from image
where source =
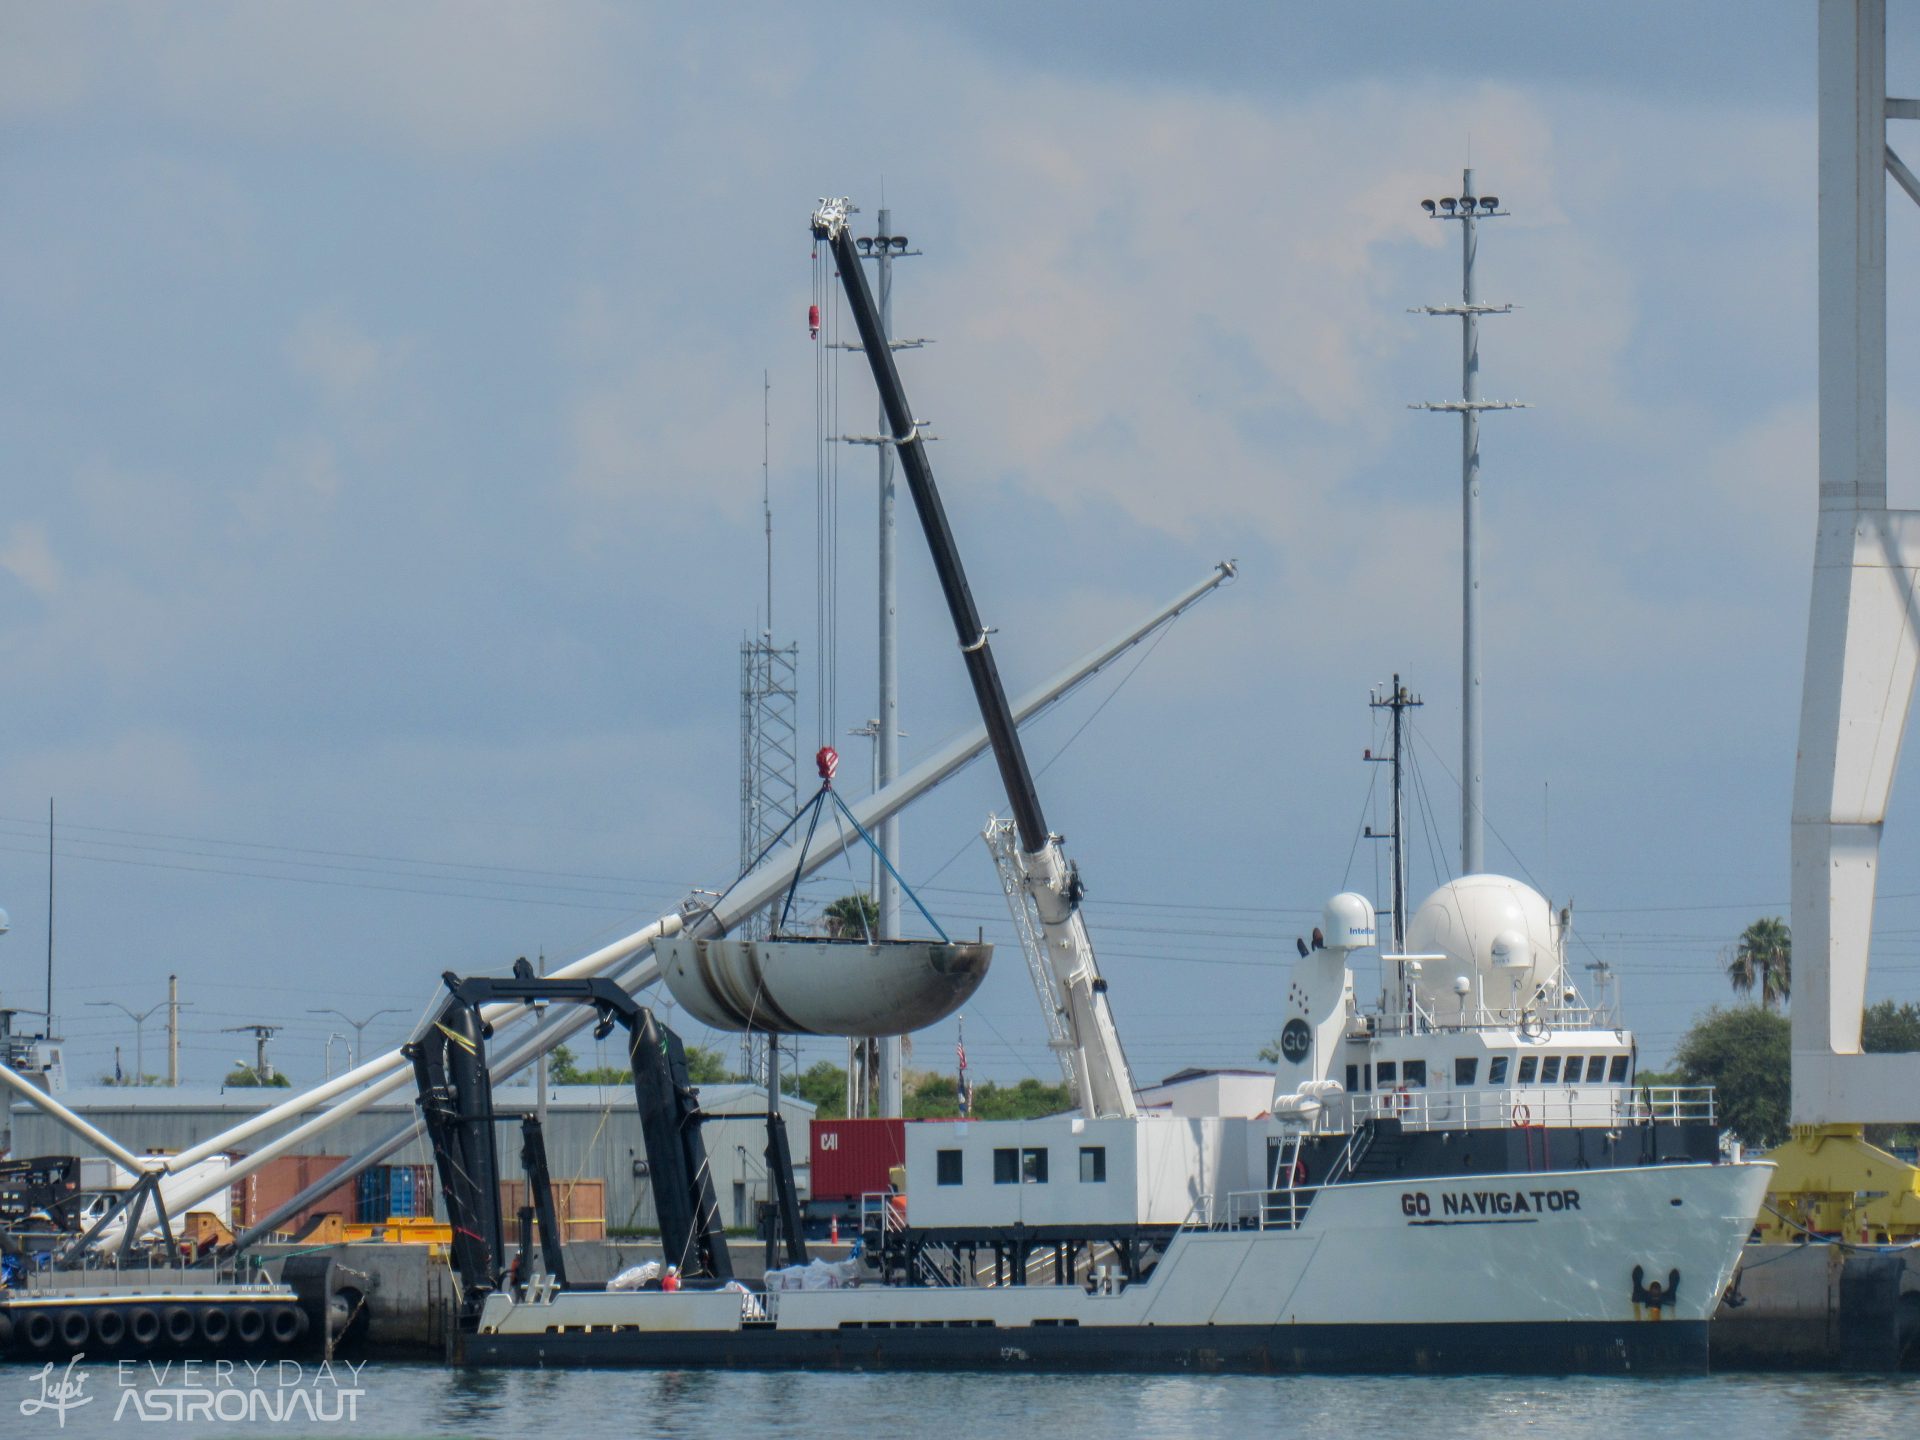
[(852, 1157), (285, 1176)]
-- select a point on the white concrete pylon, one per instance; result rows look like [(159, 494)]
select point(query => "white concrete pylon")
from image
[(1863, 629)]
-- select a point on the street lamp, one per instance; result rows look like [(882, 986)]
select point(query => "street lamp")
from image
[(359, 1026), (139, 1019)]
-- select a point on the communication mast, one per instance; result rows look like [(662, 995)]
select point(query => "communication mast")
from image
[(1469, 208), (769, 725), (1397, 701)]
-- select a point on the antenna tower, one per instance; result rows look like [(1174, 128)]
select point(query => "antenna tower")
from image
[(1469, 208), (1398, 701), (769, 727)]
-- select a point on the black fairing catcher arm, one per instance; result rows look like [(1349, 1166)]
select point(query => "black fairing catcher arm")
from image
[(456, 1106)]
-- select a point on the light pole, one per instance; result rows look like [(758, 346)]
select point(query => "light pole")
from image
[(139, 1018), (1469, 209), (359, 1026), (332, 1036)]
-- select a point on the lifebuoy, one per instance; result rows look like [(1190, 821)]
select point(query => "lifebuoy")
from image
[(1522, 1116), (1402, 1102)]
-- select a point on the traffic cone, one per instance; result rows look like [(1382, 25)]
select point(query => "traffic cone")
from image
[(833, 1232)]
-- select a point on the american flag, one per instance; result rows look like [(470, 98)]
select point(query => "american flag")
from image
[(964, 1091)]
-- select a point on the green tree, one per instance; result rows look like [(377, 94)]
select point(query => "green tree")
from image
[(1763, 960), (563, 1069), (1746, 1054), (242, 1076), (851, 916), (706, 1066), (932, 1096), (1888, 1029), (823, 1085)]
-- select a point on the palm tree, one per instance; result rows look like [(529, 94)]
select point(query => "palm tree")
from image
[(1763, 958), (852, 916)]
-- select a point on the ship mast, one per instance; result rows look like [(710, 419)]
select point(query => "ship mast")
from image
[(1396, 703)]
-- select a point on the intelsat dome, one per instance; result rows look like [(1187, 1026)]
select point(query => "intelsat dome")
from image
[(1494, 932)]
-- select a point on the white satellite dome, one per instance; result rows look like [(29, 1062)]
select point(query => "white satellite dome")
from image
[(1347, 922), (1494, 930)]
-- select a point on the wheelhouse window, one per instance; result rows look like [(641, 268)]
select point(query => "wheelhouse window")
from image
[(1618, 1073), (1006, 1167), (1550, 1070), (1497, 1070), (1033, 1167), (1093, 1164), (1387, 1072), (1596, 1069), (1465, 1068), (1529, 1068), (1416, 1072), (946, 1165)]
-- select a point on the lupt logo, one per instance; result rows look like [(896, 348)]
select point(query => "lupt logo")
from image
[(1296, 1039)]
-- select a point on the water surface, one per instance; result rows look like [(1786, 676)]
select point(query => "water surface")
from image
[(407, 1400)]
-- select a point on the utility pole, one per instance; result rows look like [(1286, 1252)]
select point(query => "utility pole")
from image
[(262, 1071), (540, 1065), (1398, 701), (49, 917), (359, 1026), (883, 247), (139, 1018), (173, 1030), (1469, 208)]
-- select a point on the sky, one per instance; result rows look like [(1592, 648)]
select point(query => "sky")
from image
[(382, 403)]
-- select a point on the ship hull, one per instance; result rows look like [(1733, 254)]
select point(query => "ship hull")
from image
[(1466, 1348), (1574, 1272)]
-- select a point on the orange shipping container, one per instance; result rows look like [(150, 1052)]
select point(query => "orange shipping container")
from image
[(284, 1177), (582, 1205)]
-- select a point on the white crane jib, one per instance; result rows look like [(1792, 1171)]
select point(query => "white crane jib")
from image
[(1104, 1082), (626, 958)]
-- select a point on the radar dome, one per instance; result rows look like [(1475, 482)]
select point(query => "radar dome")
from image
[(1347, 922), (1493, 930)]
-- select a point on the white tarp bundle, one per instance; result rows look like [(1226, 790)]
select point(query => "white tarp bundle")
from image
[(816, 1275), (635, 1276)]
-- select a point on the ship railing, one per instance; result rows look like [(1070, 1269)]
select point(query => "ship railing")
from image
[(883, 1225), (1281, 1209), (1200, 1213), (147, 1269), (1675, 1104), (1424, 1020), (1557, 1106)]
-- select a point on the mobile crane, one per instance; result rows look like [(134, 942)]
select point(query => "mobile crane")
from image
[(1102, 1081)]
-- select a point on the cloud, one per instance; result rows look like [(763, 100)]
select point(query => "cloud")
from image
[(29, 559), (342, 360), (442, 77)]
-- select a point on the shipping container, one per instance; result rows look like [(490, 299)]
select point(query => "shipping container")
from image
[(853, 1157), (581, 1205), (284, 1177), (392, 1192)]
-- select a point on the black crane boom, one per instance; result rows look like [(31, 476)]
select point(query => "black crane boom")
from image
[(830, 224)]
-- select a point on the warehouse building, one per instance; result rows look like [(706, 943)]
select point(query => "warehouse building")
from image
[(594, 1150)]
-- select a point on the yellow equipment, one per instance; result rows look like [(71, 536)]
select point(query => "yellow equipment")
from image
[(1830, 1181)]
